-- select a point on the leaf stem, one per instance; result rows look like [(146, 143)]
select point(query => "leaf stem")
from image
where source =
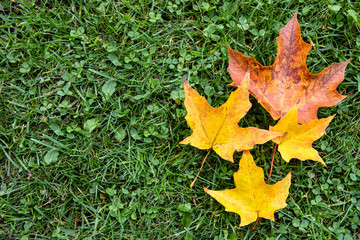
[(257, 220), (202, 164), (272, 161)]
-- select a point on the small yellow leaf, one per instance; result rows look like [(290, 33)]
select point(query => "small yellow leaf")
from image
[(297, 143)]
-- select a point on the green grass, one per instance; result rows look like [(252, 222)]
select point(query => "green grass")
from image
[(79, 160)]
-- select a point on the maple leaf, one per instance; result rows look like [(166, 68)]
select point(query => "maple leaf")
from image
[(297, 143), (288, 82), (252, 197), (218, 128)]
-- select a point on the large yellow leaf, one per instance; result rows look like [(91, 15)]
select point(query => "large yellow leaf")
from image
[(252, 197), (218, 128), (297, 143)]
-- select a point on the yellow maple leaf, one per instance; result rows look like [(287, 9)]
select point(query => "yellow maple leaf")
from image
[(218, 128), (297, 143), (252, 197)]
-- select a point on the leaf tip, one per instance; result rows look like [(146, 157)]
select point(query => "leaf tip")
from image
[(186, 84), (289, 174), (322, 162)]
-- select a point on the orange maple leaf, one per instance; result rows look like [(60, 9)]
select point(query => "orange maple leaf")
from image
[(288, 82), (252, 197), (218, 128), (297, 143)]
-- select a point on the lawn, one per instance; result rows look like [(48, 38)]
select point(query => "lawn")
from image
[(91, 114)]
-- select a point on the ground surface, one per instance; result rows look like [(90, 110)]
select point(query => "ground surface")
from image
[(91, 113)]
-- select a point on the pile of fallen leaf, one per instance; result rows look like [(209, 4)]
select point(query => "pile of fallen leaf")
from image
[(289, 92)]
